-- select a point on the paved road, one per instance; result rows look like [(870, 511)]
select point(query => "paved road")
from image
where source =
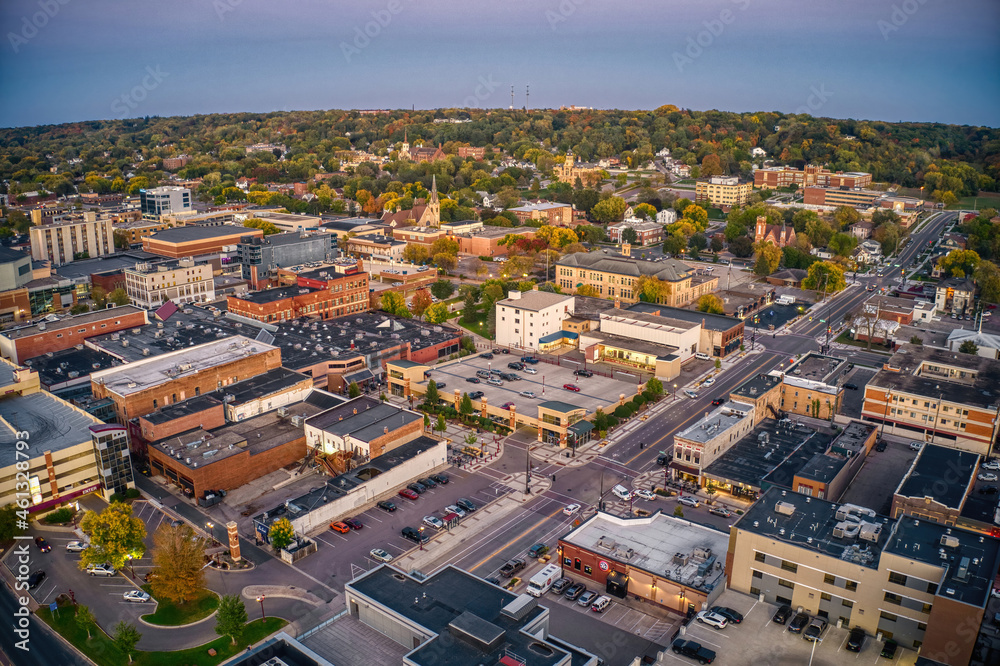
[(44, 649)]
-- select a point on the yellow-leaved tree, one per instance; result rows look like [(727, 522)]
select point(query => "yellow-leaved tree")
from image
[(115, 536)]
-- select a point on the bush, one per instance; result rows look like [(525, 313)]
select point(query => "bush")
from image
[(623, 411), (639, 400), (117, 497), (63, 515), (132, 493)]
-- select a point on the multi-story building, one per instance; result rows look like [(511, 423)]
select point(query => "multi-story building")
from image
[(937, 485), (811, 176), (915, 581), (15, 269), (955, 295), (424, 236), (722, 191), (702, 443), (149, 285), (175, 163), (193, 241), (363, 427), (325, 296), (71, 237), (135, 231), (719, 335), (823, 196), (24, 342), (376, 247), (525, 319), (647, 232), (617, 277), (938, 396), (557, 214), (485, 242), (475, 152), (143, 386), (570, 170), (165, 200), (261, 257)]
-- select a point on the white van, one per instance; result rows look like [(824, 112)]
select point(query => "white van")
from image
[(701, 356), (785, 299), (542, 581), (622, 493), (600, 604)]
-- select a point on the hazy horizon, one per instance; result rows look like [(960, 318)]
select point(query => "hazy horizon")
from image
[(912, 60)]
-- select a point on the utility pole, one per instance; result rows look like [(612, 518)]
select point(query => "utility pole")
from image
[(527, 468)]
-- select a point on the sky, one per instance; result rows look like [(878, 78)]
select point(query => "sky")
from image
[(909, 60)]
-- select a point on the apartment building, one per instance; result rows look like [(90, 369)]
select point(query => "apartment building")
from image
[(722, 191), (557, 214), (322, 294), (135, 231), (939, 396), (908, 579), (811, 176), (71, 237), (165, 200), (150, 285), (524, 319), (475, 152), (616, 276)]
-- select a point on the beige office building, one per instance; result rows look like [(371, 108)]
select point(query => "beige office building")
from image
[(184, 281), (71, 237)]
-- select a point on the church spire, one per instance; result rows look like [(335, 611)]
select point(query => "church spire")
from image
[(434, 188)]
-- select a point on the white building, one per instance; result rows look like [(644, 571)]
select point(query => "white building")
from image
[(757, 151), (165, 200), (988, 344), (183, 281), (666, 216), (523, 318)]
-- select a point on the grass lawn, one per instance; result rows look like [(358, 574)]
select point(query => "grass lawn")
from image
[(477, 326), (102, 651), (169, 614), (984, 200), (843, 337)]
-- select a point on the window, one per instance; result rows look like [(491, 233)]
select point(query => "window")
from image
[(932, 588), (789, 566), (847, 603), (922, 626), (824, 596), (850, 586), (897, 578), (757, 574), (588, 569), (785, 583), (926, 608), (893, 598), (754, 590), (888, 617), (829, 580)]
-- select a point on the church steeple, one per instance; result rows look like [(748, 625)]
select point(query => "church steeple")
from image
[(434, 204), (404, 151)]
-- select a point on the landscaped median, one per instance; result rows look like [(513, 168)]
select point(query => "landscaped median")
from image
[(102, 651), (170, 614)]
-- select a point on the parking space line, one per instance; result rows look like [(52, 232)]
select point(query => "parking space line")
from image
[(320, 538)]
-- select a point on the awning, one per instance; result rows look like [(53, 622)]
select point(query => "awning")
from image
[(693, 471), (360, 376), (580, 427), (552, 337)]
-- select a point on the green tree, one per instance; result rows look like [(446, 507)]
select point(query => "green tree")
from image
[(652, 289), (79, 308), (716, 245), (712, 304), (819, 232), (968, 347), (609, 210), (675, 243), (655, 385), (125, 638), (915, 340), (845, 216), (699, 242), (441, 424), (987, 276), (8, 522), (437, 313), (353, 390), (394, 303), (432, 396), (469, 308), (178, 561), (85, 619), (842, 244), (589, 233), (119, 297), (959, 263), (768, 258), (465, 406), (741, 247), (442, 289), (281, 533), (644, 210), (825, 276), (888, 235), (629, 235), (115, 536), (231, 617), (99, 296)]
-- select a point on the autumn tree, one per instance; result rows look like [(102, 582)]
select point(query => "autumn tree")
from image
[(609, 210), (99, 296), (588, 290), (652, 289), (125, 638), (825, 276), (557, 237), (959, 263), (178, 558), (394, 303), (644, 210), (421, 301), (711, 166), (712, 304), (768, 258), (987, 276), (281, 533), (444, 245), (437, 313), (115, 536), (697, 215), (846, 216), (416, 254), (231, 618)]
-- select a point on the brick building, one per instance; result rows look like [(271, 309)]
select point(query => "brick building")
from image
[(811, 176), (317, 294), (822, 196), (33, 340), (476, 153), (143, 386), (364, 427), (191, 241), (557, 214), (485, 242)]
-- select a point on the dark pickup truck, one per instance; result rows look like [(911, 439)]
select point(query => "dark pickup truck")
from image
[(693, 650), (511, 568)]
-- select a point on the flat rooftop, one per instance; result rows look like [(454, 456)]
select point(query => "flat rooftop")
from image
[(53, 423), (654, 543), (659, 322), (70, 364), (853, 437), (363, 418), (535, 300), (756, 386), (111, 263), (273, 381), (480, 623), (971, 565), (712, 322), (632, 344), (55, 323), (178, 410), (722, 418), (817, 367), (809, 523), (155, 370), (942, 474), (190, 233), (276, 294), (980, 388)]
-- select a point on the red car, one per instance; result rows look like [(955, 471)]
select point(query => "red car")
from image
[(353, 523), (571, 387), (408, 494)]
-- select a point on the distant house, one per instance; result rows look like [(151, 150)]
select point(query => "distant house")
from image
[(868, 252), (954, 242), (790, 277), (955, 295), (666, 216), (821, 252), (862, 230)]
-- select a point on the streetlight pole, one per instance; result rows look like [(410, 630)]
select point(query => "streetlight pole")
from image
[(420, 534), (261, 600), (527, 468), (675, 391)]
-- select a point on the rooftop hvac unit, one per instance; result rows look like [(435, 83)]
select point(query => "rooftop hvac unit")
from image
[(846, 530), (949, 541), (784, 508), (870, 531)]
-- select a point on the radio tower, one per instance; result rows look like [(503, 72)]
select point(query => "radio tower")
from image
[(527, 94), (512, 98)]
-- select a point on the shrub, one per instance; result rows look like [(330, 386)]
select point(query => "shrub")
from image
[(117, 497), (132, 493), (639, 401), (623, 411), (63, 515)]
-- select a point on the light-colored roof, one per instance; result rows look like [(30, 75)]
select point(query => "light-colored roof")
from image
[(84, 319), (960, 335), (535, 300), (670, 270)]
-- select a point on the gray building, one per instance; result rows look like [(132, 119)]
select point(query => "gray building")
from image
[(260, 257), (15, 268), (164, 200)]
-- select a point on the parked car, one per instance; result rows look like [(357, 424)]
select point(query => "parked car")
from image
[(433, 521), (530, 371), (35, 579), (991, 465), (511, 567), (408, 494), (572, 387), (528, 394), (487, 356), (559, 587), (101, 570), (380, 555), (137, 596), (916, 446), (988, 490), (440, 385), (856, 639), (988, 476), (570, 509), (574, 591), (798, 623), (76, 547), (720, 511), (417, 487), (782, 614), (440, 478), (537, 550), (688, 501), (851, 386), (466, 504), (427, 482), (42, 544), (889, 649), (514, 365), (507, 405), (451, 508), (583, 373), (713, 620), (476, 395), (718, 401), (472, 380), (709, 381), (530, 359), (353, 523), (341, 527), (587, 598), (693, 650), (731, 615), (880, 447), (493, 580), (600, 604), (647, 495), (386, 505), (414, 535), (814, 632)]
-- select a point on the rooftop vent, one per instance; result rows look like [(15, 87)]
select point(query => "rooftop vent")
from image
[(949, 541), (785, 508)]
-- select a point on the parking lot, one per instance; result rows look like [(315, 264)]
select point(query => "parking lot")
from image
[(759, 641), (547, 384)]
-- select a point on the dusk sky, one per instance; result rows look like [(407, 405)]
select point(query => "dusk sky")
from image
[(916, 60)]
